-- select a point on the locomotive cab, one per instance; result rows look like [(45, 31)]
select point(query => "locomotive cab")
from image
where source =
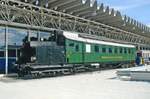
[(43, 51)]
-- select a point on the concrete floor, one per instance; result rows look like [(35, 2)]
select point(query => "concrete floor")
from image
[(96, 85)]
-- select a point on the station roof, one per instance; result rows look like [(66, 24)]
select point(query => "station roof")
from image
[(91, 10)]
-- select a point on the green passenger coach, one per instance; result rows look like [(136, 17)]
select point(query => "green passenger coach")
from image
[(80, 50)]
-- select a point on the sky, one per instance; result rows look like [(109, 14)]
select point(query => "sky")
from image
[(136, 9)]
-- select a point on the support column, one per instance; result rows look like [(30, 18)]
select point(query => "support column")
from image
[(6, 50), (38, 35), (28, 35)]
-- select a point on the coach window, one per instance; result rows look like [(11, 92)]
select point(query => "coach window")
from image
[(77, 48), (125, 50), (104, 50), (110, 50), (121, 50), (71, 44), (132, 51), (116, 50), (129, 51), (96, 48)]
